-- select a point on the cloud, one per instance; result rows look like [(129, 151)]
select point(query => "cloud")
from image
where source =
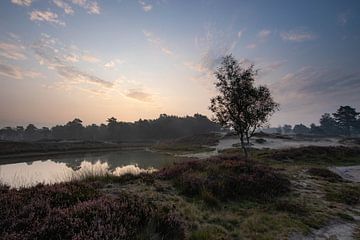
[(90, 58), (64, 5), (12, 51), (146, 7), (112, 63), (298, 35), (17, 72), (263, 34), (92, 7), (139, 95), (157, 42), (45, 16), (342, 18), (267, 68), (73, 58), (74, 74), (26, 3), (214, 45), (251, 46), (318, 88), (50, 53), (240, 33)]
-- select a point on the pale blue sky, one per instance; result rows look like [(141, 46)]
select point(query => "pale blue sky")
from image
[(61, 59)]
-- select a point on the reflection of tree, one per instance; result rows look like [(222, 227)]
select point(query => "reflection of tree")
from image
[(144, 159)]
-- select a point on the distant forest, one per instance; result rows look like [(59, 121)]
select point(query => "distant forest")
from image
[(345, 121), (164, 127)]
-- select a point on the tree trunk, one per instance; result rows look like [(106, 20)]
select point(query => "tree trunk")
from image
[(243, 146)]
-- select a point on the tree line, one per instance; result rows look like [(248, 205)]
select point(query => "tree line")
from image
[(164, 127), (345, 121)]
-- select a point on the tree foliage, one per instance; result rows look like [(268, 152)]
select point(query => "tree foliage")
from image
[(164, 127), (240, 104), (346, 117)]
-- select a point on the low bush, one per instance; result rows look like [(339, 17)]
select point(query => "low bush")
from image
[(316, 154), (260, 140), (226, 178), (348, 194), (325, 174), (78, 211), (292, 206)]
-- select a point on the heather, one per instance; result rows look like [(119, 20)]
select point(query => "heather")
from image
[(224, 197), (339, 155), (80, 211), (226, 178)]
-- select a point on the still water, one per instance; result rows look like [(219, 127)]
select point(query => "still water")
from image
[(63, 168)]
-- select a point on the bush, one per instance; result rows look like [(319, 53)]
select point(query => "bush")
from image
[(349, 194), (316, 154), (325, 174), (226, 178), (260, 140), (78, 211)]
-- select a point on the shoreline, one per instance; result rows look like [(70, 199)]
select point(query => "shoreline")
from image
[(29, 156)]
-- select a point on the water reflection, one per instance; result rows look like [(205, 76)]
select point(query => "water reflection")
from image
[(63, 168)]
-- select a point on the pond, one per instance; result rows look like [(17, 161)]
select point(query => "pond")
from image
[(67, 167)]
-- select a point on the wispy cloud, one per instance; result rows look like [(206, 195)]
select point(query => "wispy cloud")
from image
[(311, 85), (145, 6), (50, 53), (268, 67), (12, 51), (157, 42), (92, 7), (240, 33), (251, 46), (214, 45), (139, 95), (22, 2), (342, 18), (113, 63), (90, 58), (298, 35), (72, 58), (46, 16), (263, 34), (64, 5), (17, 72)]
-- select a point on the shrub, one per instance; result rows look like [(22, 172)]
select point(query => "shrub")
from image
[(226, 178), (348, 194), (78, 211), (325, 174), (292, 206), (316, 154), (260, 140)]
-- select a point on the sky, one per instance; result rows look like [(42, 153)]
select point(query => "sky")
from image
[(62, 59)]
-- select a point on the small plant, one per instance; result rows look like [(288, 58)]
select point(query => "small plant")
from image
[(79, 211), (325, 174), (226, 178), (348, 194)]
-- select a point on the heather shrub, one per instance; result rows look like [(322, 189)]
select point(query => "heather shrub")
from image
[(325, 174), (79, 211), (226, 178), (348, 194), (317, 154)]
